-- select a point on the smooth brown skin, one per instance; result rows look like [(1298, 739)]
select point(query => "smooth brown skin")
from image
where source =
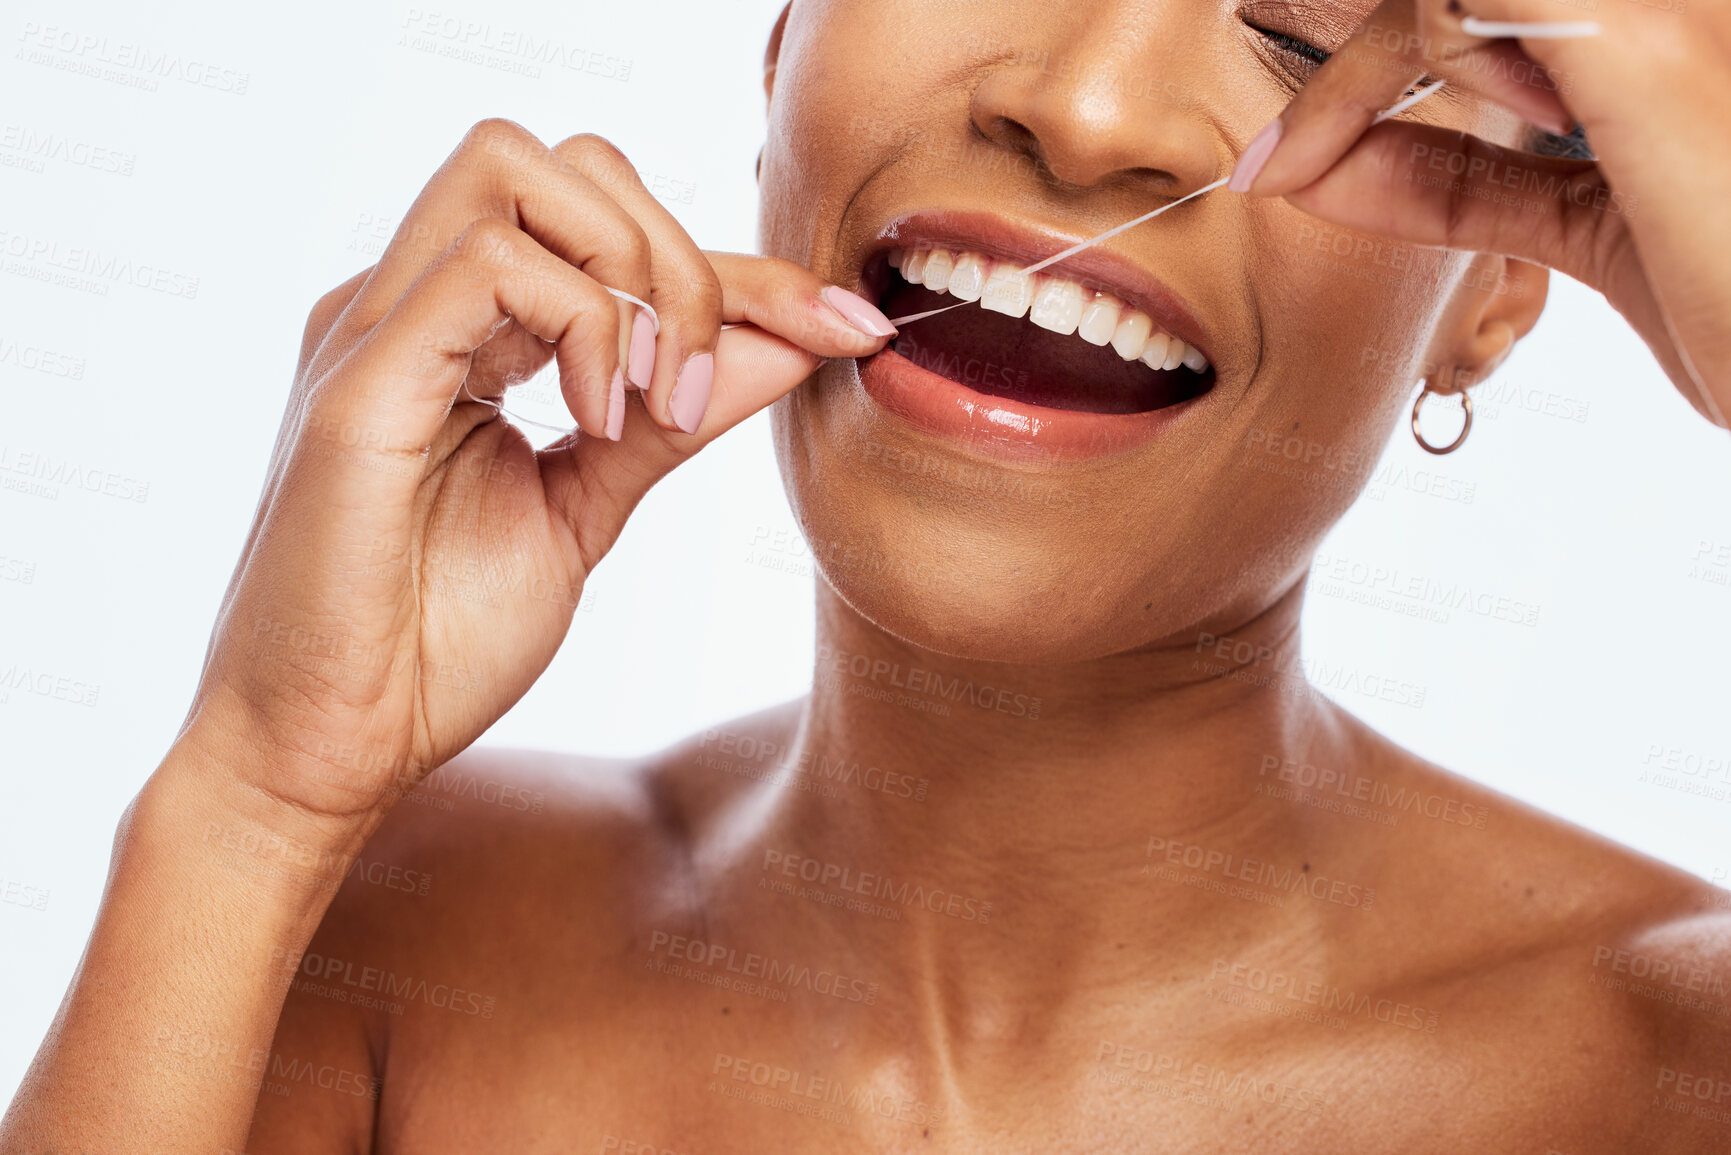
[(551, 882)]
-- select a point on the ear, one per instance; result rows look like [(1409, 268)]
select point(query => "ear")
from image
[(773, 53), (1498, 303)]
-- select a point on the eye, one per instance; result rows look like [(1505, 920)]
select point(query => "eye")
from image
[(1292, 45)]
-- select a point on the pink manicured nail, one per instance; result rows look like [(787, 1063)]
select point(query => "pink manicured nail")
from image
[(858, 312), (640, 362), (691, 391), (1250, 164), (616, 407)]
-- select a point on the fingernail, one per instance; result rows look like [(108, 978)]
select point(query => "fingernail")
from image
[(640, 361), (1250, 164), (691, 391), (858, 312), (616, 407)]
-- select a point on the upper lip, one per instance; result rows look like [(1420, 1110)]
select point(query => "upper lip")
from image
[(1024, 245)]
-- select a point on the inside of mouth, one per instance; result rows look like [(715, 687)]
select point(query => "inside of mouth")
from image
[(1011, 357)]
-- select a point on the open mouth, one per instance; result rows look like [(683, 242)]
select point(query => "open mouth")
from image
[(1041, 339)]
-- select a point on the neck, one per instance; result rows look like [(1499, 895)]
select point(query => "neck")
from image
[(1022, 803)]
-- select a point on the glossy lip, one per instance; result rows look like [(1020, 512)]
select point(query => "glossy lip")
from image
[(1008, 430), (996, 426)]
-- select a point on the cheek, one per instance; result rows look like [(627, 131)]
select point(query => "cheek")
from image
[(858, 82)]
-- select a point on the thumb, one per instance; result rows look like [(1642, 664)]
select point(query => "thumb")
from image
[(594, 484)]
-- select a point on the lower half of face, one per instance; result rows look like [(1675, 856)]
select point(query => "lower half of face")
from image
[(1141, 441)]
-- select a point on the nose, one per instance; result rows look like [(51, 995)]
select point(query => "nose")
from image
[(1104, 99)]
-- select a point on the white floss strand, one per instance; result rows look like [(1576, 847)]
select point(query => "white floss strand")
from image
[(1530, 29)]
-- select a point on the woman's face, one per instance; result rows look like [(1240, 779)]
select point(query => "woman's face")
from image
[(993, 489)]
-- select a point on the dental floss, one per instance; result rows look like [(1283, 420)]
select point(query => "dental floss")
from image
[(498, 407), (654, 319), (1401, 106), (1392, 110), (1530, 29)]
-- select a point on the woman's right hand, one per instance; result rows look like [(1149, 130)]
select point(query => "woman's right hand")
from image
[(414, 564)]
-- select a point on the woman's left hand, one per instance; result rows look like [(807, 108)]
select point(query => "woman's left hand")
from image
[(1645, 225)]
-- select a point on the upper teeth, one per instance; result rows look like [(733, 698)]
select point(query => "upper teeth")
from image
[(1055, 303)]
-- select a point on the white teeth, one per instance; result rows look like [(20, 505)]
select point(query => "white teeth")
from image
[(914, 266), (968, 278), (1057, 306), (1099, 319), (1131, 334), (1008, 290), (1154, 350), (938, 270), (1056, 303)]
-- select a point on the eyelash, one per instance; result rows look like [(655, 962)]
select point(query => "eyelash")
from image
[(1296, 47)]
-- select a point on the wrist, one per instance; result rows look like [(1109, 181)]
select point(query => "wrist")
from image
[(196, 808)]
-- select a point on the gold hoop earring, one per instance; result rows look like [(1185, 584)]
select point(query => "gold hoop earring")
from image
[(1466, 426)]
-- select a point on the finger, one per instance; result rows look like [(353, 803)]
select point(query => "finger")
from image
[(1387, 55), (777, 296), (683, 290), (799, 306), (595, 490), (502, 171), (398, 385), (1430, 186)]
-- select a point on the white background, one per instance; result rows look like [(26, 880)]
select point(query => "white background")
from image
[(270, 196)]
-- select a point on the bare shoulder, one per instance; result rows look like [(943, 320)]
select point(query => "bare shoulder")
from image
[(489, 913), (1600, 976), (498, 843)]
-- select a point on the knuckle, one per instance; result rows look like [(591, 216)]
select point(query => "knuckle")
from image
[(326, 311), (498, 138), (488, 241), (633, 245), (597, 158)]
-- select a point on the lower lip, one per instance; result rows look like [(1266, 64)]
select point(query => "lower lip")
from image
[(1005, 429)]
